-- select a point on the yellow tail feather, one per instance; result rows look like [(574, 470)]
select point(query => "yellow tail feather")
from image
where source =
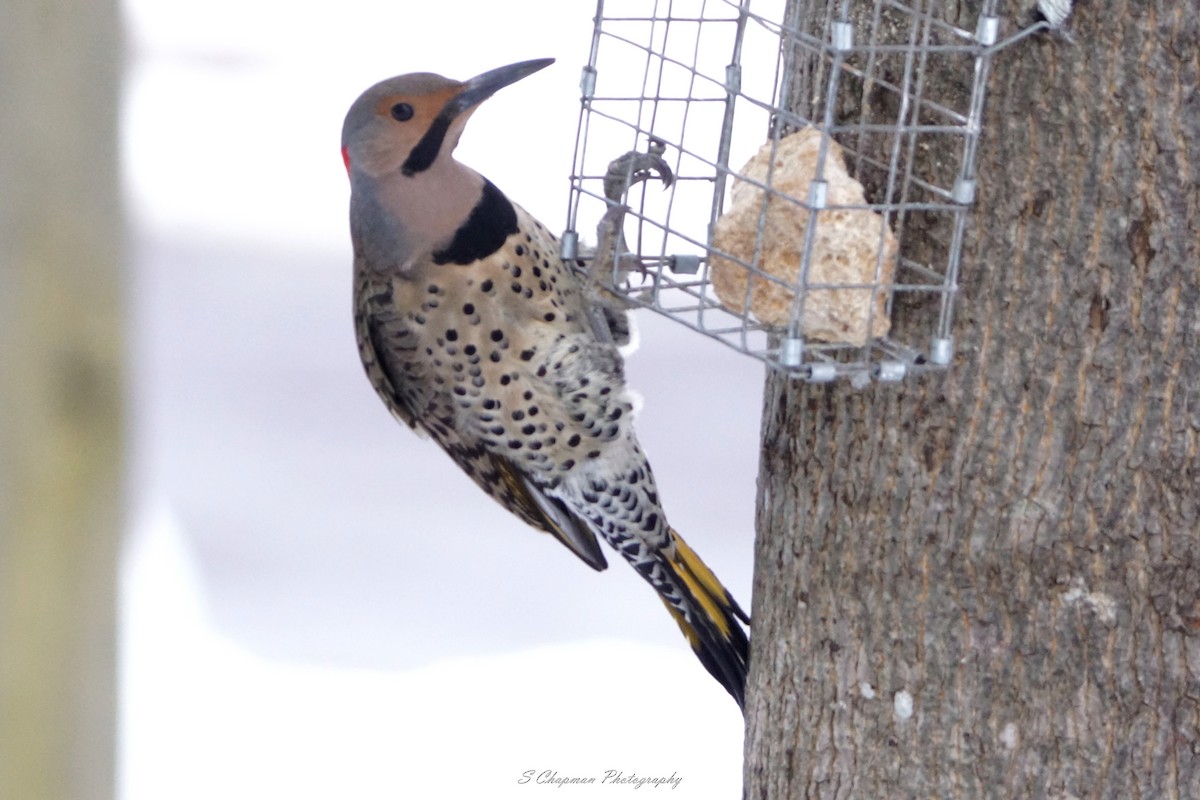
[(714, 632)]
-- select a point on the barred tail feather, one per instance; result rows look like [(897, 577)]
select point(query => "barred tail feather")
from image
[(711, 621)]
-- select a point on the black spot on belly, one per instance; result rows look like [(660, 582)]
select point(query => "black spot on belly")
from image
[(491, 222)]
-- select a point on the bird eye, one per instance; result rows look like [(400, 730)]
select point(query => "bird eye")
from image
[(402, 112)]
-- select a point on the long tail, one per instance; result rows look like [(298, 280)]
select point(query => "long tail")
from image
[(710, 619)]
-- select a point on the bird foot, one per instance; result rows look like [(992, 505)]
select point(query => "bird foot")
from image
[(633, 167), (624, 172)]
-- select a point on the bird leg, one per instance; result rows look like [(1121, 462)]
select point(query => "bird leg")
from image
[(623, 173), (607, 306)]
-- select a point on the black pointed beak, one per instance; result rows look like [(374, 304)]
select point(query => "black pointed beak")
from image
[(481, 87)]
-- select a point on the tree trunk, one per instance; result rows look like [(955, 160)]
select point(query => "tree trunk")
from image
[(986, 583), (61, 464)]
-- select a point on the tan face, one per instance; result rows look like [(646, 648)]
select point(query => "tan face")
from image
[(408, 122), (399, 121)]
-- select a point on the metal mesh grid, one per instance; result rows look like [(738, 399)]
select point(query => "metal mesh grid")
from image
[(707, 82)]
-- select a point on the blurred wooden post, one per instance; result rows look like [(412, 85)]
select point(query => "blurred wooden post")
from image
[(61, 451)]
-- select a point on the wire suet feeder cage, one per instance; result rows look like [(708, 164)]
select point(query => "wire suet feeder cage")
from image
[(796, 178)]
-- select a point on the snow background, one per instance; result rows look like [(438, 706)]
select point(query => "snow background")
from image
[(316, 603)]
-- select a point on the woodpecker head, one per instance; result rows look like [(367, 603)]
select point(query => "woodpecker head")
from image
[(408, 122)]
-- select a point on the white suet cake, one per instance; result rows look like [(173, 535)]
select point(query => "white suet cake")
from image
[(846, 247)]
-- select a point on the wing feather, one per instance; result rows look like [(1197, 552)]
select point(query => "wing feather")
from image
[(382, 335)]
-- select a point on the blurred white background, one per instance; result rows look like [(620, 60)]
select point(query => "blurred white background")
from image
[(316, 603)]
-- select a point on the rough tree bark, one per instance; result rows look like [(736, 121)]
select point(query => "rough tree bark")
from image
[(61, 451), (1015, 544)]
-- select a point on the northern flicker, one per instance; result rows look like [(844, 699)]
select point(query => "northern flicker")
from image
[(474, 332)]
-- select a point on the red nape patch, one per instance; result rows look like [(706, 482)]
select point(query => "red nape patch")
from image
[(346, 158)]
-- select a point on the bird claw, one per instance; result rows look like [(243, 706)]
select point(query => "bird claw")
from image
[(623, 173), (634, 167)]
